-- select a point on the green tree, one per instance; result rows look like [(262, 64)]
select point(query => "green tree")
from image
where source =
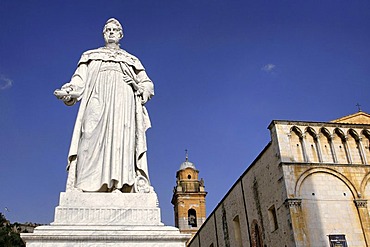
[(9, 234)]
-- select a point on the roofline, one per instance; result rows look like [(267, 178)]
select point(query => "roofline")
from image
[(289, 122), (360, 112)]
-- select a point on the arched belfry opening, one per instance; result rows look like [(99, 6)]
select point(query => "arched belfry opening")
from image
[(189, 198), (192, 217)]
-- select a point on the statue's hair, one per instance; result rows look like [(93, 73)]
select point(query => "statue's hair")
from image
[(115, 21)]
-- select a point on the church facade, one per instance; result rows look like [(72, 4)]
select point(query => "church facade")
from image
[(308, 187)]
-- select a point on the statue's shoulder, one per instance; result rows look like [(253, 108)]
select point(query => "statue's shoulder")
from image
[(93, 51), (132, 60), (94, 54), (130, 56)]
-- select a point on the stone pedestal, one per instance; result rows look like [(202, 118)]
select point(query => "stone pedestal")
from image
[(106, 219)]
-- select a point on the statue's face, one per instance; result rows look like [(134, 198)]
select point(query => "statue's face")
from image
[(112, 33)]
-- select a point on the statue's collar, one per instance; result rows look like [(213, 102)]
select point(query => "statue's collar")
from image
[(109, 54)]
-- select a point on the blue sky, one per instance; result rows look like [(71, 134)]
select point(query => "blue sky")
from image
[(223, 70)]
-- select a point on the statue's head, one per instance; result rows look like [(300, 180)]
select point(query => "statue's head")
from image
[(112, 31)]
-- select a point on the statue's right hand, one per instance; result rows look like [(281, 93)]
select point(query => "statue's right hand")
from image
[(66, 98), (60, 93), (65, 93), (69, 98)]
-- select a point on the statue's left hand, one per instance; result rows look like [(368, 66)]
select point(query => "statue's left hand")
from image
[(145, 97)]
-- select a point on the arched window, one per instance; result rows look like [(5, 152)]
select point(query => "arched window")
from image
[(256, 235), (237, 231), (192, 217)]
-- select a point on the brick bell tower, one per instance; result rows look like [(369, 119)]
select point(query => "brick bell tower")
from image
[(189, 198)]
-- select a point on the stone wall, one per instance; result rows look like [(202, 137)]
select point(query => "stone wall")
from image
[(243, 216)]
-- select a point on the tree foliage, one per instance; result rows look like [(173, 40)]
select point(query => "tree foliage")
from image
[(9, 233)]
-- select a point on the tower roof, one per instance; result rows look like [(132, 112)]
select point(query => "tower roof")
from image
[(187, 164)]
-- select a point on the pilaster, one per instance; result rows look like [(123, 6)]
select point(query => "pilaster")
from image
[(363, 213), (294, 205)]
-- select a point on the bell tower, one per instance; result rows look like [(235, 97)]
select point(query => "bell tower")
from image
[(189, 198)]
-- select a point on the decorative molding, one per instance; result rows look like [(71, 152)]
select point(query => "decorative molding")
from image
[(360, 203), (107, 235), (293, 203)]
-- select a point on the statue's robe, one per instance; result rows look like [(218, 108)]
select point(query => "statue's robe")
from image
[(109, 143)]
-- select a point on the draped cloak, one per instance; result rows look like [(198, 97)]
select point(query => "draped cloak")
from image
[(85, 82)]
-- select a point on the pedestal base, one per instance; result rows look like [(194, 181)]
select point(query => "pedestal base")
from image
[(106, 219)]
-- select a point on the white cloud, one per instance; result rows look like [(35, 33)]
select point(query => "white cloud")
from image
[(5, 83), (268, 67)]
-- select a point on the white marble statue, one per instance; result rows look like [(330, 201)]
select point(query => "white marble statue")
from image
[(108, 148)]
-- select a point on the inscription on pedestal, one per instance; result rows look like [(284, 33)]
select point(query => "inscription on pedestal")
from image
[(104, 216)]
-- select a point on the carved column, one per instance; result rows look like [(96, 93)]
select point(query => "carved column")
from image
[(347, 150), (290, 146), (332, 148), (362, 151), (363, 212), (318, 147), (294, 205), (304, 151)]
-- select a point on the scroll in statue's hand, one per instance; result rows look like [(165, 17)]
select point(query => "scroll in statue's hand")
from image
[(69, 97), (61, 93)]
